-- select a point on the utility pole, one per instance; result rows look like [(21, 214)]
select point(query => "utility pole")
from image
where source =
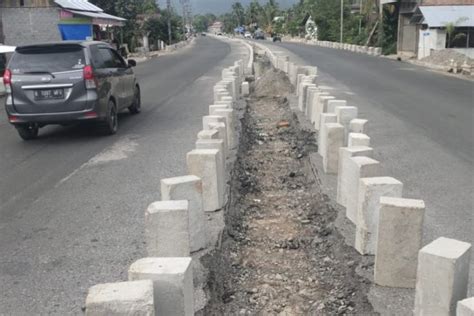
[(168, 8), (342, 20)]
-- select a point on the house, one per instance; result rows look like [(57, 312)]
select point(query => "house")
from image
[(35, 21), (422, 24)]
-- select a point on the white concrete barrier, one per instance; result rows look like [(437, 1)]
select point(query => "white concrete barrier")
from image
[(121, 298), (310, 95), (214, 107), (465, 307), (333, 104), (325, 118), (189, 188), (357, 126), (304, 86), (442, 276), (345, 114), (228, 114), (208, 134), (368, 208), (333, 139), (358, 139), (357, 168), (172, 280), (222, 129), (167, 229), (213, 144), (345, 153), (315, 115), (321, 107), (245, 89), (205, 164), (398, 241)]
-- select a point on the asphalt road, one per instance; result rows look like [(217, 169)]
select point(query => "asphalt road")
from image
[(421, 125), (72, 202)]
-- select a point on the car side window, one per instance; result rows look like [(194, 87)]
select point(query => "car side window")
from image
[(118, 60), (106, 57)]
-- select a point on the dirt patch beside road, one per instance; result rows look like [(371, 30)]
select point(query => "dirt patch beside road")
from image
[(281, 253)]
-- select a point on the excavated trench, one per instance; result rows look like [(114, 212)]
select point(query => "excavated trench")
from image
[(281, 253)]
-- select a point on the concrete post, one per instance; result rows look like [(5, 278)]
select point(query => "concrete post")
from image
[(345, 114), (208, 134), (325, 118), (245, 89), (122, 298), (213, 144), (357, 126), (332, 104), (172, 280), (188, 188), (357, 168), (221, 94), (228, 114), (368, 208), (333, 140), (315, 106), (303, 94), (205, 164), (358, 139), (465, 307), (222, 129), (167, 229), (321, 108), (213, 108), (442, 276), (398, 241), (310, 94)]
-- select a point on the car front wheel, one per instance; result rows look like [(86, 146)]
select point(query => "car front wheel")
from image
[(136, 106), (27, 131)]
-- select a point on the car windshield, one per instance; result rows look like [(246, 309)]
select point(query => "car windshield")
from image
[(47, 59)]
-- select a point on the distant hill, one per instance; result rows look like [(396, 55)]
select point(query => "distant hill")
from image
[(221, 6)]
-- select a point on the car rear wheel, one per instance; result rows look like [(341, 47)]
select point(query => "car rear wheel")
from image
[(136, 106), (27, 131), (110, 126)]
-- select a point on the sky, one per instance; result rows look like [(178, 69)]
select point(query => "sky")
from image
[(220, 6)]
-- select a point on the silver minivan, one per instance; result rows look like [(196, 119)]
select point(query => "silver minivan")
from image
[(66, 82)]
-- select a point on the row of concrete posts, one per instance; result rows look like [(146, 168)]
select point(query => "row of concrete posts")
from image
[(387, 225), (176, 227)]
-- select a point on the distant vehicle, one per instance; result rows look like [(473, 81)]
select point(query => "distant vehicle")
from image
[(259, 35), (203, 34), (65, 82), (219, 34), (276, 38), (248, 35)]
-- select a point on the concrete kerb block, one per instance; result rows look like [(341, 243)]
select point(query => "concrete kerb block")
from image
[(315, 106), (368, 207), (358, 126), (325, 118), (333, 140), (213, 144), (167, 231), (304, 94), (121, 298), (189, 188), (228, 114), (357, 168), (208, 134), (245, 89), (398, 242), (465, 307), (358, 139), (345, 154), (218, 123), (345, 114), (214, 107), (310, 99), (321, 107), (442, 276), (172, 280), (333, 104), (205, 164)]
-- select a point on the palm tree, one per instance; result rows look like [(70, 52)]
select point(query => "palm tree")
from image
[(451, 28)]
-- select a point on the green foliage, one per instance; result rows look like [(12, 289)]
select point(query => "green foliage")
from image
[(388, 40), (157, 27), (202, 22)]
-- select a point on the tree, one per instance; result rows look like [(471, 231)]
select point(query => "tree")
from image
[(450, 31), (239, 13)]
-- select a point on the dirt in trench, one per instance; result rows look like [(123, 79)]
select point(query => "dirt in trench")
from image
[(281, 254)]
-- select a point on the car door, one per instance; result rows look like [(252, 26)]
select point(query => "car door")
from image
[(126, 78), (109, 74)]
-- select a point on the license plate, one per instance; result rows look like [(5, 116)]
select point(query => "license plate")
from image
[(49, 94)]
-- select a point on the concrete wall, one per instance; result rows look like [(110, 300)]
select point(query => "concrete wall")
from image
[(30, 25), (407, 34), (429, 40)]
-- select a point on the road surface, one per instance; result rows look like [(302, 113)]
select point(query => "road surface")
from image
[(72, 202), (421, 125)]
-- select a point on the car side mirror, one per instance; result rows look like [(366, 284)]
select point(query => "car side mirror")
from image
[(132, 63)]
